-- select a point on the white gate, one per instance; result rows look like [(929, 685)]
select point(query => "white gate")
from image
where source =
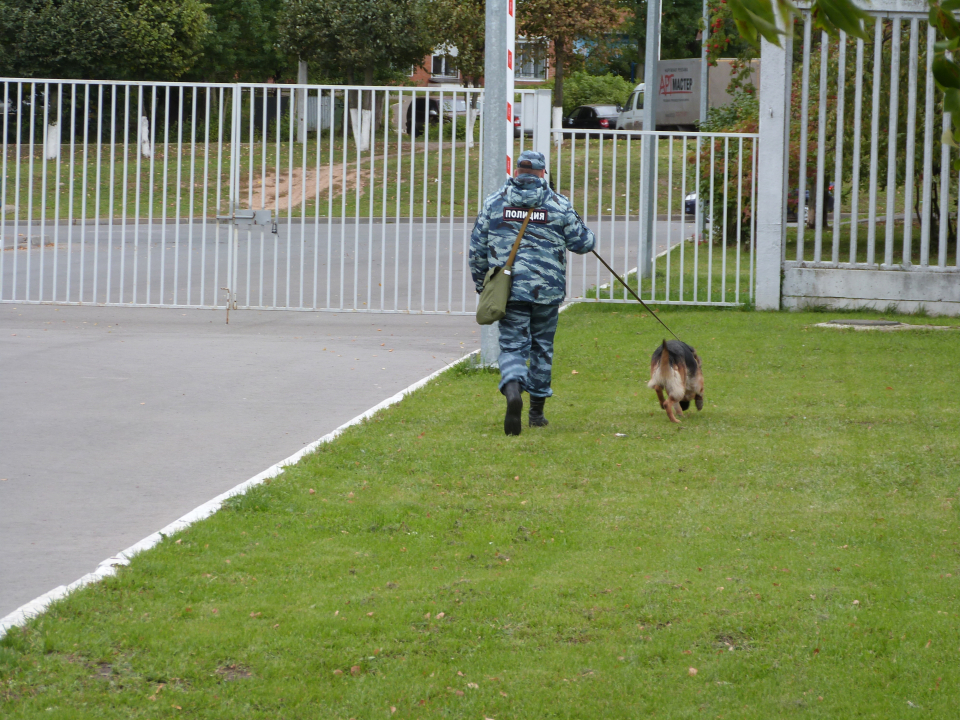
[(305, 197), (196, 195)]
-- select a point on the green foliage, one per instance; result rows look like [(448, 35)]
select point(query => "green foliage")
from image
[(357, 36), (741, 113), (946, 70), (460, 24), (679, 24), (581, 88), (242, 43), (564, 23), (758, 18), (108, 39)]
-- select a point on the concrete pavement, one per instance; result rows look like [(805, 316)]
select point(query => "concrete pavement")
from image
[(116, 421)]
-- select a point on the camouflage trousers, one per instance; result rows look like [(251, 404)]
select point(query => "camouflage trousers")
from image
[(526, 334)]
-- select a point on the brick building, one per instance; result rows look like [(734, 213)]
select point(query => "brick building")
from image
[(530, 70)]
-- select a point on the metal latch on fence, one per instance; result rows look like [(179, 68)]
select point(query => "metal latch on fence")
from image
[(251, 217), (239, 217)]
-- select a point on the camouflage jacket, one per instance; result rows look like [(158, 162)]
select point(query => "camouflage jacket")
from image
[(539, 270)]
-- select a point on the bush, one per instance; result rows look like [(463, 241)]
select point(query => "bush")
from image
[(740, 116)]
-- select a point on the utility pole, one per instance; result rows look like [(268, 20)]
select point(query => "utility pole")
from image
[(704, 67), (498, 94), (704, 100), (648, 170), (501, 26)]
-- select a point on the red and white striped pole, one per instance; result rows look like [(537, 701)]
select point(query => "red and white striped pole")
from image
[(509, 72)]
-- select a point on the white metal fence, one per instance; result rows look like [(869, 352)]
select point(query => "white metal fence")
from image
[(702, 249), (870, 188), (330, 198)]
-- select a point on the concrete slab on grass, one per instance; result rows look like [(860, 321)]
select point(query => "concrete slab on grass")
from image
[(117, 421)]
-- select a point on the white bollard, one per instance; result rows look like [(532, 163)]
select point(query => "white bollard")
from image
[(146, 149), (361, 120), (51, 145)]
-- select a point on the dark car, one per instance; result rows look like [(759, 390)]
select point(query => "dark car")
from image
[(690, 202), (592, 117), (419, 113)]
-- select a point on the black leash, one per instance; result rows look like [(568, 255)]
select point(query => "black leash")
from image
[(614, 272)]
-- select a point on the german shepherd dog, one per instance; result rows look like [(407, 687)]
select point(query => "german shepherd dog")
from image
[(675, 368)]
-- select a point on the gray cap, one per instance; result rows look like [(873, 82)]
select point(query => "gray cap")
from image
[(532, 160)]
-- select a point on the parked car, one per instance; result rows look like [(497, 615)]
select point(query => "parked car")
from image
[(690, 202), (592, 117), (418, 115), (519, 125), (453, 108)]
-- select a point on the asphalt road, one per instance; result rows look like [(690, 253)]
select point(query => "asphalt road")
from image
[(117, 421), (395, 267)]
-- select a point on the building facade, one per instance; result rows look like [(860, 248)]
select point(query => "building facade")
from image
[(531, 67)]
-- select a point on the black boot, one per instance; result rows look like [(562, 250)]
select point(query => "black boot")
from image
[(512, 423), (536, 412)]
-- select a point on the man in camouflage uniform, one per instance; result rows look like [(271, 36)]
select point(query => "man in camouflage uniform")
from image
[(539, 279)]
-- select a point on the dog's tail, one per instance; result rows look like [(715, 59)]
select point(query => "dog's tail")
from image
[(666, 376)]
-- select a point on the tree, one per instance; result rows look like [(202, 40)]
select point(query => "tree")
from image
[(563, 22), (460, 24), (94, 39), (679, 25), (355, 36), (242, 43)]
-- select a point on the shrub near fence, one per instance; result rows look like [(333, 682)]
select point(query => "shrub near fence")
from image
[(729, 208)]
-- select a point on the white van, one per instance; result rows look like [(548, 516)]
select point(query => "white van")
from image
[(678, 93), (631, 117)]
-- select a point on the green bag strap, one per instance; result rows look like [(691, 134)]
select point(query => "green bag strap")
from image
[(516, 246)]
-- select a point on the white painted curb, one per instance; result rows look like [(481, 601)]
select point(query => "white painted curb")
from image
[(109, 566)]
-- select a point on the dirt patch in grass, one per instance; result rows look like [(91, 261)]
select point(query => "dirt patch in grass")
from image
[(291, 189), (232, 672)]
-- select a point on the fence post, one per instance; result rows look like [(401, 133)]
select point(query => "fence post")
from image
[(648, 169), (772, 170), (541, 130)]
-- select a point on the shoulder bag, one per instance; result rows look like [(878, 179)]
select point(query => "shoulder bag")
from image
[(497, 285)]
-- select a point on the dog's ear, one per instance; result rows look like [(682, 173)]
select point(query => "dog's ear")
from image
[(684, 405), (699, 400)]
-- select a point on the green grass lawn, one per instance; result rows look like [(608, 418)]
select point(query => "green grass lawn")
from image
[(791, 551), (689, 272)]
